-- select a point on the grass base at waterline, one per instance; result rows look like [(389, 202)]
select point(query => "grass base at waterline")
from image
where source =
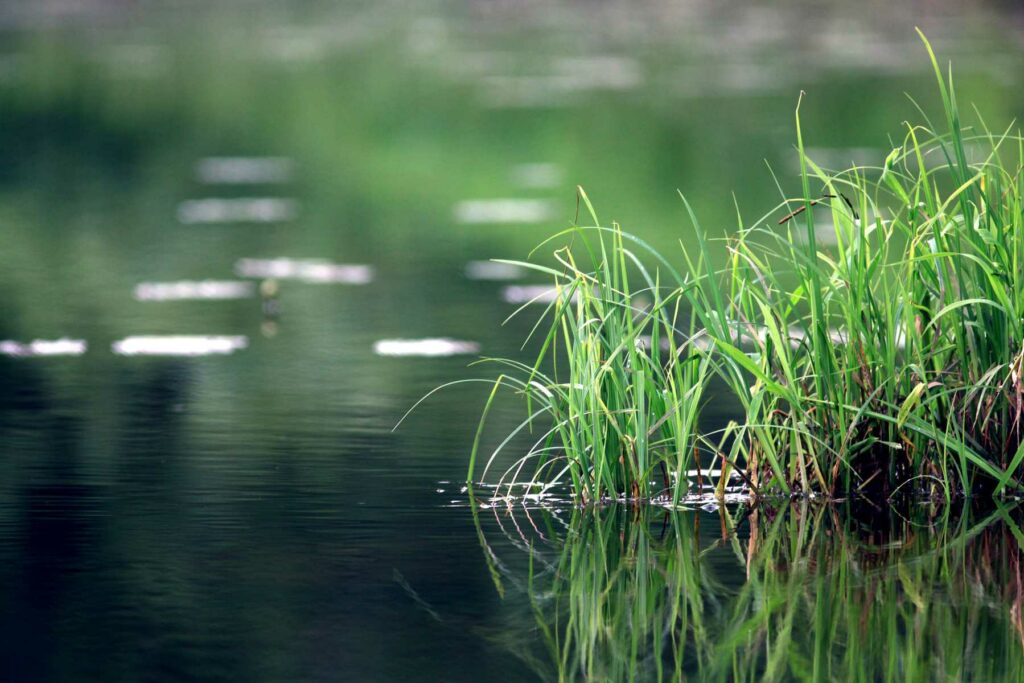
[(885, 353)]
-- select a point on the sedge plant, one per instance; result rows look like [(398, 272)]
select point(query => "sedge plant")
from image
[(882, 353), (616, 376), (888, 349)]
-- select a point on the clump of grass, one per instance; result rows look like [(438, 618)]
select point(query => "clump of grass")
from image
[(890, 354), (894, 355), (622, 392)]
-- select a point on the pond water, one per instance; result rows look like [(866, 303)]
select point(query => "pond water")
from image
[(239, 244)]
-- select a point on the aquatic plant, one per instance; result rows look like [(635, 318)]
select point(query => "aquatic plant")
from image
[(884, 352), (894, 354), (622, 391)]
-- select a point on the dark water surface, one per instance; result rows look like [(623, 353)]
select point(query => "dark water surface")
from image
[(251, 515)]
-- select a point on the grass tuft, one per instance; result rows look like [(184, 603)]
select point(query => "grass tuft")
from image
[(885, 353)]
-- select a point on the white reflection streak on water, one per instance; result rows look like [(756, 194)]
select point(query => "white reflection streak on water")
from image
[(240, 210), (824, 233), (492, 270), (306, 270), (43, 347), (179, 345), (300, 44), (838, 158), (568, 76), (730, 80), (434, 347), (601, 72), (503, 211), (537, 176), (476, 64), (242, 170), (185, 290), (538, 294)]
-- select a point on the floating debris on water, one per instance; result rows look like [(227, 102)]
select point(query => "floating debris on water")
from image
[(306, 270), (504, 211), (186, 290), (493, 270), (240, 210), (536, 294), (644, 342), (434, 347), (244, 170), (708, 502), (538, 176), (271, 306), (43, 347), (179, 345)]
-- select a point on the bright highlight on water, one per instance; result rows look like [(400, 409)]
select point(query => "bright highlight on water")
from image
[(491, 270), (305, 270), (43, 347), (244, 170), (185, 290), (504, 211), (433, 347), (242, 210), (179, 345)]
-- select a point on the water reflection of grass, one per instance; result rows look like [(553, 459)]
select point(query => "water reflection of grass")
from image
[(933, 600), (621, 601), (627, 594)]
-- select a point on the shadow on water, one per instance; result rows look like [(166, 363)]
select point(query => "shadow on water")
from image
[(792, 593), (55, 513)]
